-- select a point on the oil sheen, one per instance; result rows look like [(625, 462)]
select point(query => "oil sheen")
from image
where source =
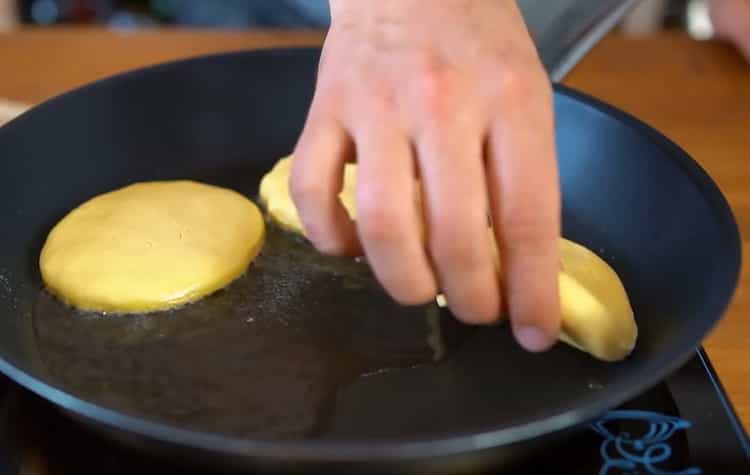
[(264, 357)]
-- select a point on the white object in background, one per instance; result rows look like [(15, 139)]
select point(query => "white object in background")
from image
[(699, 24), (8, 14), (10, 109)]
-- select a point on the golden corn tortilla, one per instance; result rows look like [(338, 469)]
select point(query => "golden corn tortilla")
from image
[(274, 193), (151, 246), (596, 313)]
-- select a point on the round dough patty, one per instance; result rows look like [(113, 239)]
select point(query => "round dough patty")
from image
[(151, 246)]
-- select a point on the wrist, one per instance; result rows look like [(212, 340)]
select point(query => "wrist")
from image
[(392, 11)]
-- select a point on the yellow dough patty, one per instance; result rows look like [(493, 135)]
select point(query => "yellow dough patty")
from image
[(596, 313), (274, 192), (151, 246)]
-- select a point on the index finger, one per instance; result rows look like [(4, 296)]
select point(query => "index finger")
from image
[(525, 201), (316, 180)]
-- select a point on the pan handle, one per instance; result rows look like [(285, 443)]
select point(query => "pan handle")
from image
[(564, 31)]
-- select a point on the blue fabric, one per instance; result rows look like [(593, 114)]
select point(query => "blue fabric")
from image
[(243, 13)]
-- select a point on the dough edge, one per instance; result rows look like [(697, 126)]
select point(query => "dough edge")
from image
[(586, 322), (68, 293)]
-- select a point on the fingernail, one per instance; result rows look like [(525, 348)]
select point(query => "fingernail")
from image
[(532, 338)]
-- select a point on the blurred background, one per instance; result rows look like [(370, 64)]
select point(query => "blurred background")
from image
[(691, 15)]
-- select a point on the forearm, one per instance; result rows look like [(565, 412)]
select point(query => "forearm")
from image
[(394, 9), (419, 14)]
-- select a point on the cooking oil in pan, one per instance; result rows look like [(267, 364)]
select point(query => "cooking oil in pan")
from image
[(265, 357)]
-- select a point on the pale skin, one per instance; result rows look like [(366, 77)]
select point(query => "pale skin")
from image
[(451, 92), (731, 19)]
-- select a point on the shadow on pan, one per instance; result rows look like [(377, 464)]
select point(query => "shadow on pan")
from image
[(628, 193)]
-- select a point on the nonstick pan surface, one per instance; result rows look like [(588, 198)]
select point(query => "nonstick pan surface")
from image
[(305, 359)]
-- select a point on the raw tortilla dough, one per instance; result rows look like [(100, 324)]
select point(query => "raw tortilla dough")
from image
[(274, 193), (151, 246), (596, 314)]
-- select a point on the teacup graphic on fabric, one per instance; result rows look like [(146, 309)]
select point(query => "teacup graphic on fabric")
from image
[(641, 442)]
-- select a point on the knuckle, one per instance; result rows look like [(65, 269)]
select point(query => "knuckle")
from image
[(523, 84), (527, 230), (305, 188), (454, 251), (514, 84), (377, 221), (380, 99), (325, 238), (480, 311), (383, 96), (532, 213), (436, 84), (455, 246), (476, 296)]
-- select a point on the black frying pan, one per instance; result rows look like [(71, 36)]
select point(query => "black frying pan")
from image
[(268, 373)]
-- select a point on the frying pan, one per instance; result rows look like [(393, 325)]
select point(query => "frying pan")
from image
[(163, 383)]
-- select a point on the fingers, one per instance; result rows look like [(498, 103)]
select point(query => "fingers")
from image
[(315, 183), (388, 219), (525, 202), (452, 170)]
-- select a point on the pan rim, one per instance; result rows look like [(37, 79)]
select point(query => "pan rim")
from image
[(407, 448)]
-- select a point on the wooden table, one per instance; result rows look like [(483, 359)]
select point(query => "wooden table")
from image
[(697, 93)]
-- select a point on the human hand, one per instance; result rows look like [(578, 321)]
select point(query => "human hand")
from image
[(452, 93), (731, 19)]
